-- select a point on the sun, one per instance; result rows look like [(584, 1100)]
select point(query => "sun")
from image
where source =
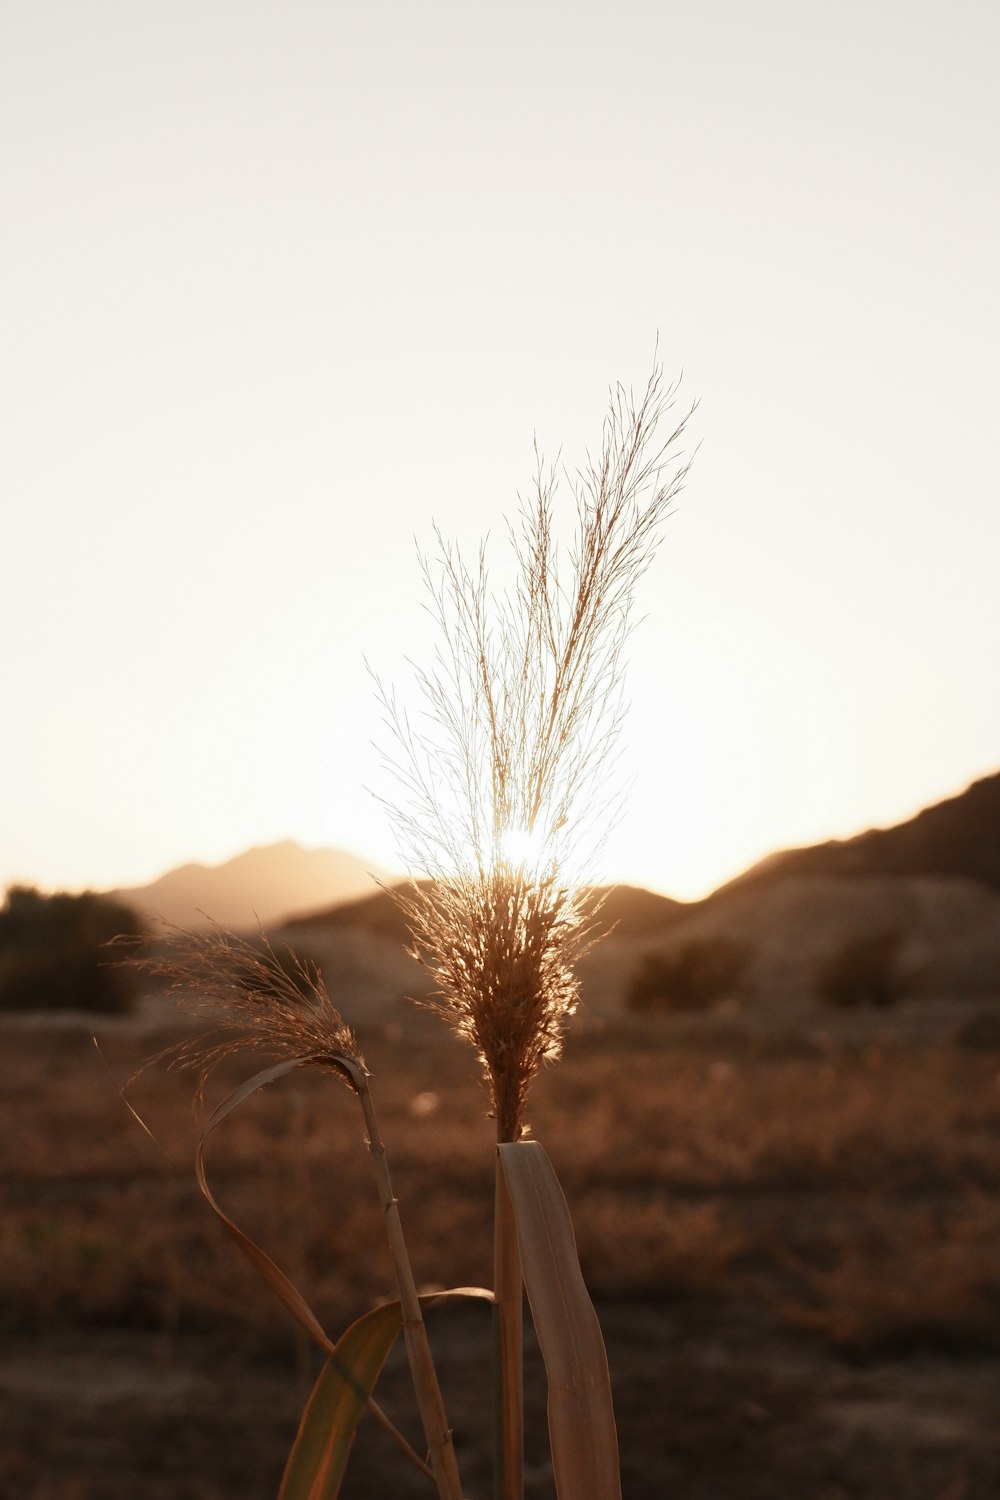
[(521, 847)]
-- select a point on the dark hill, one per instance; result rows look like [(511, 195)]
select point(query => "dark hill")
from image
[(377, 913), (959, 837), (633, 911), (630, 910)]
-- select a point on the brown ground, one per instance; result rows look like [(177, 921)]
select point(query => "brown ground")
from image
[(792, 1242)]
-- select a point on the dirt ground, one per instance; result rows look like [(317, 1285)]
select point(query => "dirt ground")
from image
[(703, 1411), (793, 1252)]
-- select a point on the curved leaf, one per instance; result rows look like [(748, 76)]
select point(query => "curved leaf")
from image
[(341, 1393), (340, 1396), (318, 1460), (275, 1278), (582, 1431)]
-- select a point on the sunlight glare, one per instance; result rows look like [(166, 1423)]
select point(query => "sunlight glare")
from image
[(524, 846)]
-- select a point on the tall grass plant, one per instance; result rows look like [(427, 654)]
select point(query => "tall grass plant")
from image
[(503, 790)]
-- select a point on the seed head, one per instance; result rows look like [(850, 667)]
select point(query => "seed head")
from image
[(504, 781), (257, 998)]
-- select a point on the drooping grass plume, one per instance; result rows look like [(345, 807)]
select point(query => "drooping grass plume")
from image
[(260, 999), (504, 776), (255, 998)]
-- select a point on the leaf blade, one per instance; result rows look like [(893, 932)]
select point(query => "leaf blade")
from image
[(318, 1459), (582, 1432), (272, 1274)]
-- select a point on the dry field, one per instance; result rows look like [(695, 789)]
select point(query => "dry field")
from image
[(793, 1242)]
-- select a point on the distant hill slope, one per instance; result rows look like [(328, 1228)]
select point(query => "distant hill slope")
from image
[(630, 910), (377, 913), (958, 838), (360, 947), (949, 929), (262, 885), (933, 880)]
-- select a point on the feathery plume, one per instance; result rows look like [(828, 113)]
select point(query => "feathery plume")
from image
[(257, 999), (502, 781)]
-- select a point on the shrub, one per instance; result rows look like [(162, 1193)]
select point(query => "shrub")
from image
[(865, 970), (691, 977), (52, 952)]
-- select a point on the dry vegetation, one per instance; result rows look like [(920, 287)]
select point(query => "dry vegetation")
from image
[(792, 1247)]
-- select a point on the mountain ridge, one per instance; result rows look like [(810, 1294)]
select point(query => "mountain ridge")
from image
[(295, 887), (261, 886), (627, 909), (958, 837)]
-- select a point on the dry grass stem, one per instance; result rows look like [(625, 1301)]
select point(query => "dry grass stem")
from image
[(508, 1348), (425, 1381), (265, 1001)]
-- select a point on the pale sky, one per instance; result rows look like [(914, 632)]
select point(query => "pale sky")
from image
[(280, 284)]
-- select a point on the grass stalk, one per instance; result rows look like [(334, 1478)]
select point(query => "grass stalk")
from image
[(263, 1000), (508, 1351), (425, 1381), (505, 796)]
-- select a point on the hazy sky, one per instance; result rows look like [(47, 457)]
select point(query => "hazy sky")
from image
[(279, 284)]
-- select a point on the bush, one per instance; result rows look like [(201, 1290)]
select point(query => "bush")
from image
[(865, 970), (52, 952), (691, 977)]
